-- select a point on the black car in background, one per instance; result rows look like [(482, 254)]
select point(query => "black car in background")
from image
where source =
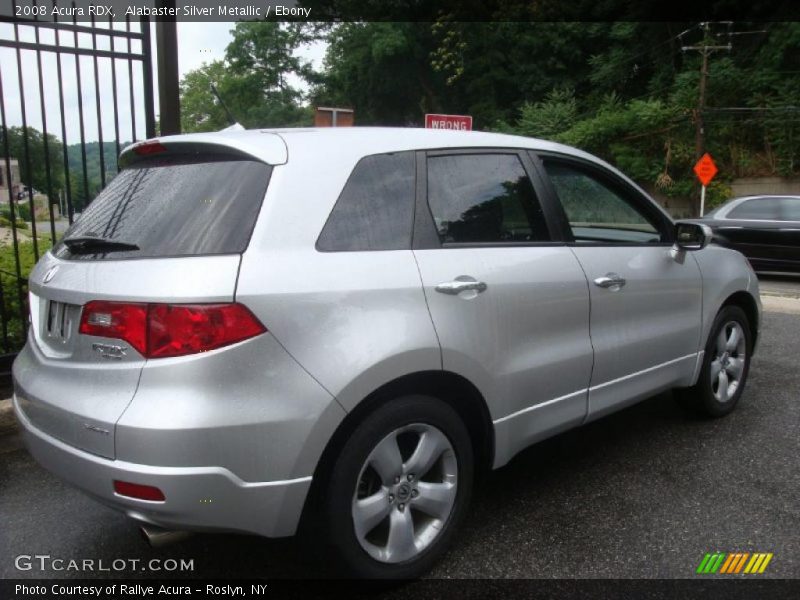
[(766, 229)]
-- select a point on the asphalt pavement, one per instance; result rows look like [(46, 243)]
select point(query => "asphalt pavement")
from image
[(644, 493)]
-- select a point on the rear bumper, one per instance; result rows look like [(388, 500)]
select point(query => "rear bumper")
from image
[(197, 498)]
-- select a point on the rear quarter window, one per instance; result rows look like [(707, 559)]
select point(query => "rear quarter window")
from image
[(175, 206), (376, 207)]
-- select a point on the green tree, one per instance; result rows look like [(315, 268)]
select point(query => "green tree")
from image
[(37, 178), (199, 112), (253, 79), (550, 117), (383, 71)]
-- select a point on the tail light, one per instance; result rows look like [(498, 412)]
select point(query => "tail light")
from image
[(162, 330)]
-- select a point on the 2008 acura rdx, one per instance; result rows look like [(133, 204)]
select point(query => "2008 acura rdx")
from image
[(249, 330)]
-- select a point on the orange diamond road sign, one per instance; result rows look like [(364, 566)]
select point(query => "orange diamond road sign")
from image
[(705, 169)]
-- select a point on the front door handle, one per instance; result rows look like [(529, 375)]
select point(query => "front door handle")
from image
[(454, 288), (610, 281)]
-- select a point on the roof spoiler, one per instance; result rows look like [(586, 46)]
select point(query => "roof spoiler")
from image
[(265, 147)]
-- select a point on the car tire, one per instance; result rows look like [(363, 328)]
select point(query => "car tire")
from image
[(382, 520), (726, 364)]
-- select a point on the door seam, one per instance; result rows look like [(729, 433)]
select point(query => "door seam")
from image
[(428, 308), (591, 341)]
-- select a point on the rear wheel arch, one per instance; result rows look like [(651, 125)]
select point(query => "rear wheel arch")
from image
[(453, 389)]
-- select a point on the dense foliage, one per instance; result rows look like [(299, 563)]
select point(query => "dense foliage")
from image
[(626, 91)]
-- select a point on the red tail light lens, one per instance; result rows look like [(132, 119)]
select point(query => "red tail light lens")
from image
[(162, 330), (175, 329), (139, 491), (116, 320)]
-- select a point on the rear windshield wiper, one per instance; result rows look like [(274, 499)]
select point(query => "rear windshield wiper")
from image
[(88, 244)]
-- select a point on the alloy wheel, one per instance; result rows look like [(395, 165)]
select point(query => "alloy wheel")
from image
[(727, 367), (405, 493)]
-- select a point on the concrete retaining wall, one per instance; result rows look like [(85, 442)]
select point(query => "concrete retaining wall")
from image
[(754, 186)]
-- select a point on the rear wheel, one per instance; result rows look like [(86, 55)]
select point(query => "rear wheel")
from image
[(399, 489), (725, 366)]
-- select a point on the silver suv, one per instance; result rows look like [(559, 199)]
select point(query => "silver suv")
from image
[(249, 331)]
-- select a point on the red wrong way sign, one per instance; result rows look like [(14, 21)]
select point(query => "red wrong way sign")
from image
[(457, 122), (705, 169)]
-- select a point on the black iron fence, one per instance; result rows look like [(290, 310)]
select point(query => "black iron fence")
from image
[(68, 92)]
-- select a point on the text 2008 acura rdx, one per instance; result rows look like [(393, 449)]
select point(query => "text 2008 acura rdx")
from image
[(247, 331)]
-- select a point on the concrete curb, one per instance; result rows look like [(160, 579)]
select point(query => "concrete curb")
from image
[(777, 294), (789, 305)]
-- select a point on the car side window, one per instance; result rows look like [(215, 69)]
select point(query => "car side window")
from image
[(757, 209), (598, 211), (791, 209), (763, 209), (484, 198), (376, 207)]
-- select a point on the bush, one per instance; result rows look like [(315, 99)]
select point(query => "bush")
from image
[(5, 222), (717, 193), (13, 324), (22, 212)]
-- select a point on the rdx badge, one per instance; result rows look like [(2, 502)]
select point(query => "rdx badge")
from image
[(110, 351)]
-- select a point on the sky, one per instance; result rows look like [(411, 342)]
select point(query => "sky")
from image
[(198, 43)]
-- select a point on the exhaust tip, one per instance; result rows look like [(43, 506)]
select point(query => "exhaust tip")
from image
[(158, 537)]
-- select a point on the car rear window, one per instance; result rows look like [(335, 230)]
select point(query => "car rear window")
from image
[(175, 206)]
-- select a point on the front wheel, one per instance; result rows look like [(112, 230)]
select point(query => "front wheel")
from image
[(399, 489), (725, 366)]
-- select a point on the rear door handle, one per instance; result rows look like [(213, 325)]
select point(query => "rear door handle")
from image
[(611, 281), (454, 288)]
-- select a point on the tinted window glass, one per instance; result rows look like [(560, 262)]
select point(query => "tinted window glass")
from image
[(758, 209), (376, 207), (177, 206), (790, 209), (597, 212), (478, 198)]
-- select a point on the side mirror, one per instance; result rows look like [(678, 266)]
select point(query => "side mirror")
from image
[(692, 236)]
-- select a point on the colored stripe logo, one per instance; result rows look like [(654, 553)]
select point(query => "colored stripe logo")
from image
[(731, 563)]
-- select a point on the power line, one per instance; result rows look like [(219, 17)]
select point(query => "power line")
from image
[(750, 108)]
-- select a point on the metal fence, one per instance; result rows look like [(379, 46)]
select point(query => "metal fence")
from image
[(61, 83)]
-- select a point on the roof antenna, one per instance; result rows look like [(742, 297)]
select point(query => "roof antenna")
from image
[(234, 124)]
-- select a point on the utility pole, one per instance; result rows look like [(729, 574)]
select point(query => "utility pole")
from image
[(700, 132), (705, 49), (168, 79)]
